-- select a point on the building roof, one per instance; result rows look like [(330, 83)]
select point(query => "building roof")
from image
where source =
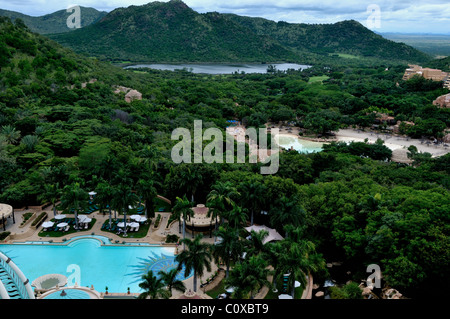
[(400, 155)]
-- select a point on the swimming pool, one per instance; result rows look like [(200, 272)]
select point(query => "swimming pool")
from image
[(93, 260), (302, 146)]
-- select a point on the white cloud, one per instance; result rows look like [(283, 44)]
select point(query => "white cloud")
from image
[(396, 16)]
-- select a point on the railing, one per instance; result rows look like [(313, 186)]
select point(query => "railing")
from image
[(3, 292), (21, 282)]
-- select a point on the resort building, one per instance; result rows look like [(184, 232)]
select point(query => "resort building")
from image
[(427, 73)]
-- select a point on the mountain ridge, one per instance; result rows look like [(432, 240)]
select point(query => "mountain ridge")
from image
[(173, 32)]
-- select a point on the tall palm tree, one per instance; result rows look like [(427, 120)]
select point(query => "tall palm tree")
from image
[(153, 287), (104, 198), (123, 198), (248, 277), (147, 190), (220, 199), (183, 210), (171, 281), (252, 196), (190, 179), (299, 257), (255, 244), (196, 258), (237, 216), (74, 198), (229, 248), (51, 193)]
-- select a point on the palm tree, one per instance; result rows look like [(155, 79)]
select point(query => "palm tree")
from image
[(170, 280), (229, 248), (219, 200), (104, 198), (153, 287), (74, 198), (123, 198), (146, 189), (253, 197), (11, 135), (52, 192), (286, 211), (190, 179), (196, 258), (183, 209), (248, 277), (299, 257), (237, 216), (255, 245)]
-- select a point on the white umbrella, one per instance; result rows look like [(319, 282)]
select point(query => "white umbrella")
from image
[(284, 296), (121, 224), (84, 219), (47, 224), (62, 224), (297, 284), (92, 193), (60, 216), (141, 219), (135, 217), (230, 290), (133, 225)]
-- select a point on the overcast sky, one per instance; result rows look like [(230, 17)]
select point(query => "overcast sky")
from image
[(410, 16)]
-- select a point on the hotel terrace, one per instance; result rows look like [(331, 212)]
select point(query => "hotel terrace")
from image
[(427, 73)]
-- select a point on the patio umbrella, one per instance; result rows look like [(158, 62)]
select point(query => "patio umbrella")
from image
[(62, 224), (60, 216), (133, 225), (121, 224), (47, 224), (92, 193), (141, 219), (134, 217)]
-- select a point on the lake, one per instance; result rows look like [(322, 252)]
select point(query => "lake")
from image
[(218, 68)]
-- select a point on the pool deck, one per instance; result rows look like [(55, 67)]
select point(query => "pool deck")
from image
[(154, 236)]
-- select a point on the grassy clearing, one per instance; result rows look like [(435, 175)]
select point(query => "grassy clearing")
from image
[(320, 78)]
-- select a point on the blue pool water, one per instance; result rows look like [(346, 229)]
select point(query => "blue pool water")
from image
[(93, 261), (302, 146)]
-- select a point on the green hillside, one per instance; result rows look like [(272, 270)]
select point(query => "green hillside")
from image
[(54, 22), (349, 37), (442, 64), (172, 32)]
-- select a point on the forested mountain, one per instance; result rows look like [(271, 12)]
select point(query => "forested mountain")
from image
[(441, 64), (54, 22), (173, 32)]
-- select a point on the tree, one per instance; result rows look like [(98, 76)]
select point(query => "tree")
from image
[(183, 209), (322, 121), (255, 244), (286, 211), (104, 198), (123, 198), (248, 277), (196, 258), (298, 257), (252, 197), (229, 248), (237, 216), (220, 199), (153, 287), (74, 198), (147, 190), (11, 135), (169, 278)]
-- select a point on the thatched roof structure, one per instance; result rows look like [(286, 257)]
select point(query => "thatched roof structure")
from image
[(400, 155)]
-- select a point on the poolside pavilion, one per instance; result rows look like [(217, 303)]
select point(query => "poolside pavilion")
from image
[(6, 212), (200, 221)]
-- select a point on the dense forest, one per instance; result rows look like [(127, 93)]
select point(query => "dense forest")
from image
[(59, 129)]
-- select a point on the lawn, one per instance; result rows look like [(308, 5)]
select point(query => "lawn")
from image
[(320, 78)]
